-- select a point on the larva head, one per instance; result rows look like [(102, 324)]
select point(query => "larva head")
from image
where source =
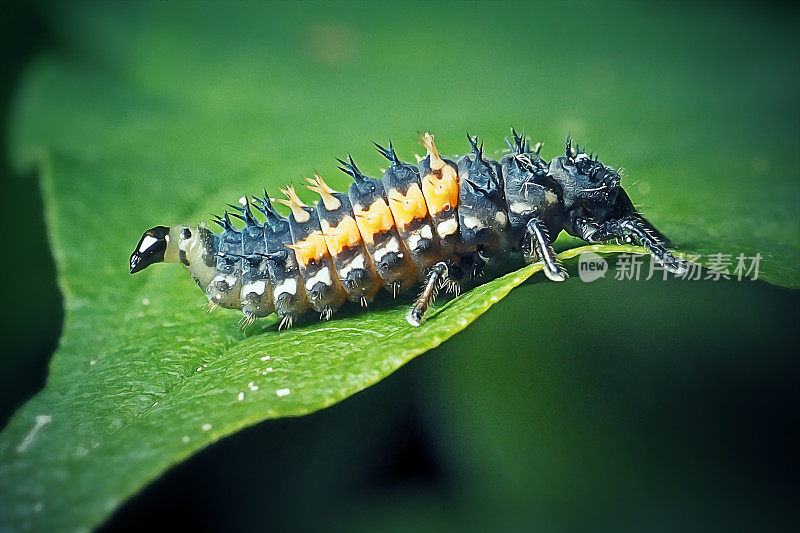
[(151, 248)]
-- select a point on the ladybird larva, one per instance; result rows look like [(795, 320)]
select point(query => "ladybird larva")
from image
[(436, 223)]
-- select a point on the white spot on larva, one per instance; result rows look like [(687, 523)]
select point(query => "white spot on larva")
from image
[(243, 201), (145, 301), (356, 263), (413, 240), (501, 218), (269, 369), (448, 227), (260, 286), (282, 392), (206, 427), (519, 207), (323, 276), (92, 362), (199, 368), (185, 439), (39, 422), (287, 286), (156, 403), (240, 397), (425, 232), (265, 358), (392, 246), (147, 242), (228, 279), (256, 288), (472, 222)]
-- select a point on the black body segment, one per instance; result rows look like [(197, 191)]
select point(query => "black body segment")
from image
[(257, 294), (289, 295), (529, 191), (225, 289), (482, 218), (533, 199)]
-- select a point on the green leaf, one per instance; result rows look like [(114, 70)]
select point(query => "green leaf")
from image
[(162, 114)]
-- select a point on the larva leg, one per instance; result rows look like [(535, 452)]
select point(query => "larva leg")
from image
[(438, 274), (540, 242), (637, 228)]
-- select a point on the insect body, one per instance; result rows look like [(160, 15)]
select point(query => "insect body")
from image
[(438, 223)]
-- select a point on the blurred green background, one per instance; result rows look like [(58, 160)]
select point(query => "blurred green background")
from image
[(612, 405)]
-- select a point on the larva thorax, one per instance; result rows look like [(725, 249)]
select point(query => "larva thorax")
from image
[(530, 193), (439, 222)]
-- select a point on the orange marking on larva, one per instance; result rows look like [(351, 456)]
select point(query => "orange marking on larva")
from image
[(311, 248), (441, 192), (374, 220), (407, 207), (343, 235)]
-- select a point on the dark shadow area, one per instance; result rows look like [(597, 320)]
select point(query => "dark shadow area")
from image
[(32, 312)]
